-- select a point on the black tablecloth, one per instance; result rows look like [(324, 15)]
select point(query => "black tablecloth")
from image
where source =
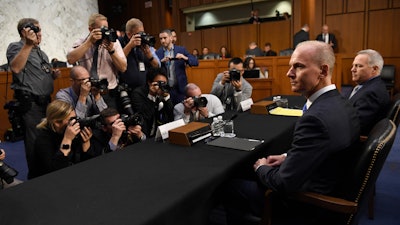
[(146, 183)]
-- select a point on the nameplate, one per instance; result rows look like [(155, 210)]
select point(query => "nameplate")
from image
[(190, 133), (246, 104), (162, 131), (262, 107)]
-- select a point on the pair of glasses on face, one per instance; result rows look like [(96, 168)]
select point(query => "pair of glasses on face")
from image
[(81, 80)]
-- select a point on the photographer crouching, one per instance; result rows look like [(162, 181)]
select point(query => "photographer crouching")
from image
[(116, 131)]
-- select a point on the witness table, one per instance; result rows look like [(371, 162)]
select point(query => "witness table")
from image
[(145, 184)]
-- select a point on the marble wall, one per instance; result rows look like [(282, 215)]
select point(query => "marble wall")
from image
[(62, 22)]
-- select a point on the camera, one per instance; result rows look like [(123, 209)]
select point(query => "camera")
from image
[(234, 75), (109, 34), (200, 101), (132, 120), (124, 99), (99, 84), (164, 86), (93, 122), (15, 117), (147, 39), (35, 29), (7, 173)]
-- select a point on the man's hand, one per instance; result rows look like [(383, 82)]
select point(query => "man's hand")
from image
[(31, 37), (272, 160), (225, 78), (85, 88), (135, 130), (203, 111), (237, 84), (95, 35), (118, 127)]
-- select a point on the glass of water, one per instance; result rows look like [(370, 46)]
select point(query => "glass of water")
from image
[(229, 129)]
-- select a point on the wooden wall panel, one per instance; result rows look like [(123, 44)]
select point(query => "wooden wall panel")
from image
[(334, 7), (240, 37), (191, 40), (277, 33), (215, 38), (355, 5), (378, 4), (396, 3), (387, 43)]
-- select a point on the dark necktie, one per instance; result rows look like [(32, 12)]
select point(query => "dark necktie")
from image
[(305, 108), (93, 70)]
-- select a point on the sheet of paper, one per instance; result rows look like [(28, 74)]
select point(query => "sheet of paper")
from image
[(286, 112)]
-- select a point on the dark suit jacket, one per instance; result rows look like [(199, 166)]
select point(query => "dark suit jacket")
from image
[(372, 102), (322, 140), (332, 39), (300, 36), (180, 71)]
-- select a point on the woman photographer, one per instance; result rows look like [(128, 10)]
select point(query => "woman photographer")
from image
[(56, 145)]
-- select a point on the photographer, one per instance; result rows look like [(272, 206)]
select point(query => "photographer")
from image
[(86, 100), (101, 54), (33, 79), (7, 173), (56, 145), (116, 132), (230, 87), (153, 101), (197, 106), (140, 54)]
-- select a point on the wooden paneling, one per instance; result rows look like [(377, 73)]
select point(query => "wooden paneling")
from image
[(240, 37), (191, 40), (378, 4), (277, 33), (215, 38), (396, 3), (334, 7), (387, 45), (194, 3), (355, 5)]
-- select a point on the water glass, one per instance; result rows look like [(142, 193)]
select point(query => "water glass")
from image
[(229, 129)]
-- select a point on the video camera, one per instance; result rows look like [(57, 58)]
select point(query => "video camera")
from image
[(109, 34), (234, 75), (102, 84), (200, 101), (164, 86), (147, 39), (35, 29), (7, 173)]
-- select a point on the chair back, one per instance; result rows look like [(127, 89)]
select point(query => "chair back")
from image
[(388, 75), (394, 111), (369, 161)]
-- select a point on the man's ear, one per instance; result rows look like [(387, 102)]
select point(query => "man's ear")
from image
[(324, 71)]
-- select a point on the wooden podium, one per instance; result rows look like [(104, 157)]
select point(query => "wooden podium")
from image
[(190, 133)]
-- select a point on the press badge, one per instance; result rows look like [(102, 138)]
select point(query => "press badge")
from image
[(141, 67)]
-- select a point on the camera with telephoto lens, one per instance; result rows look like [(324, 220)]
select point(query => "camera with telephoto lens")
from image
[(35, 29), (147, 39), (7, 173), (99, 84), (109, 34), (234, 75), (124, 99), (200, 101), (93, 122), (164, 86)]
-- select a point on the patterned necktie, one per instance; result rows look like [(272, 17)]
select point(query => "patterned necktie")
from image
[(304, 108), (356, 88)]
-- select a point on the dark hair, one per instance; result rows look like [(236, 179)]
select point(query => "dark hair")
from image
[(107, 113), (153, 72), (268, 44), (168, 31), (246, 62), (23, 22), (235, 61)]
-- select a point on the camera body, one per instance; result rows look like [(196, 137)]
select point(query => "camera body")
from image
[(7, 173), (35, 29), (124, 99), (132, 120), (147, 39), (15, 112), (102, 84), (234, 75), (200, 101), (94, 122), (164, 86), (109, 34)]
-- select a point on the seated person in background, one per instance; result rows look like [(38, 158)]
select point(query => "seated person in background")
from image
[(197, 106), (223, 53), (195, 53), (153, 101), (268, 51), (327, 37), (255, 19), (206, 54), (325, 133), (230, 87), (60, 141), (250, 64), (113, 134), (254, 50), (370, 96), (85, 99)]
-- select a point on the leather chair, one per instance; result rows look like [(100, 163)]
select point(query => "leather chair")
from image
[(388, 76), (360, 181), (394, 111)]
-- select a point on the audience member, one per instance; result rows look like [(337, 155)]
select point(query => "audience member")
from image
[(57, 145), (370, 96), (197, 106), (254, 50), (195, 53), (327, 37), (223, 53), (250, 64), (174, 59), (33, 80), (230, 87), (116, 132), (102, 56), (140, 56), (255, 19), (301, 35), (174, 36), (327, 130), (85, 99), (206, 54), (153, 101), (268, 51)]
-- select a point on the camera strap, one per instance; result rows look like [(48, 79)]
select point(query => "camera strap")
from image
[(93, 70)]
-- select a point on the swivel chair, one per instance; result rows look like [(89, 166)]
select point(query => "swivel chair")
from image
[(388, 76)]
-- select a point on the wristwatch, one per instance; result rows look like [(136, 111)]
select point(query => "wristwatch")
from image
[(65, 146)]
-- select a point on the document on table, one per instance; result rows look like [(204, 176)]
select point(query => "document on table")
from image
[(286, 112), (237, 143)]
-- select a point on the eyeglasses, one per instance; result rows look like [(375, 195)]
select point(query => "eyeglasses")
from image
[(80, 80)]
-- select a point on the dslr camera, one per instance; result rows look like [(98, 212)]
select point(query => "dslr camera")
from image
[(124, 99), (15, 117), (99, 84), (109, 34), (147, 39), (234, 75), (7, 173), (200, 101), (35, 29), (93, 122), (164, 86), (132, 120)]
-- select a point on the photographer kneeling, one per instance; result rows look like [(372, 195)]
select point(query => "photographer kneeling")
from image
[(116, 131), (197, 106), (56, 145)]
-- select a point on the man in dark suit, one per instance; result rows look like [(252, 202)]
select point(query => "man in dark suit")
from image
[(301, 36), (321, 148), (174, 59), (327, 37), (370, 96)]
